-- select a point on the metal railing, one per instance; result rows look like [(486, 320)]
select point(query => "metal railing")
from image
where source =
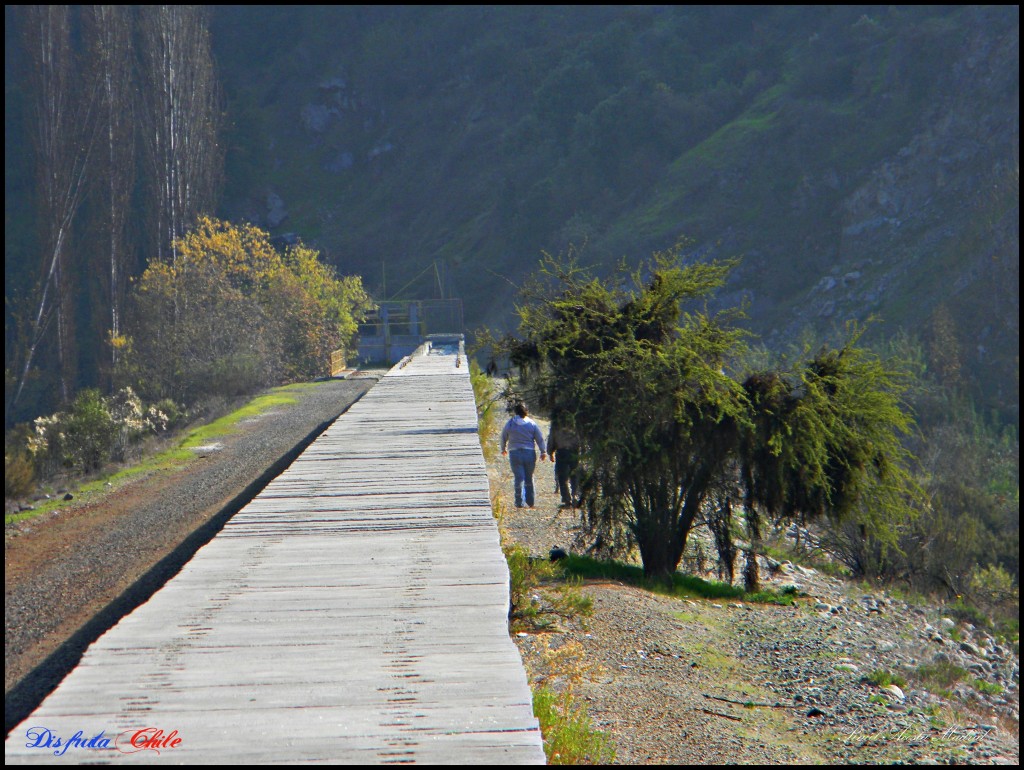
[(397, 327)]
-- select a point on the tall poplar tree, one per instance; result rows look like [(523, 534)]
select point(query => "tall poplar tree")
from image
[(181, 115), (108, 30), (63, 116)]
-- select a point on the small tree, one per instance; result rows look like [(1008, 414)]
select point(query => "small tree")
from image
[(664, 428), (827, 440), (644, 387)]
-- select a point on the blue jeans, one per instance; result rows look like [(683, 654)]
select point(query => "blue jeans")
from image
[(523, 461)]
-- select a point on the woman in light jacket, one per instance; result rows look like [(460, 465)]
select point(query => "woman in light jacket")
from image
[(517, 440)]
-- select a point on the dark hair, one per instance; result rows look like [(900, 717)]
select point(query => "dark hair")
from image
[(520, 409)]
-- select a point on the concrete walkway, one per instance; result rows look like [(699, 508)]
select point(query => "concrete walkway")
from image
[(354, 612)]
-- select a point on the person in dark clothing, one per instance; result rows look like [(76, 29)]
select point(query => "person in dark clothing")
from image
[(564, 446)]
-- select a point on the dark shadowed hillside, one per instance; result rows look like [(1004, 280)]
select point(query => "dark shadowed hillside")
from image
[(863, 160)]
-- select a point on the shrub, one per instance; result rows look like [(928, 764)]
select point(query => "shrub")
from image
[(90, 432), (525, 573), (883, 678), (232, 315), (94, 430), (569, 738), (170, 411), (992, 587), (941, 675), (486, 398), (19, 474)]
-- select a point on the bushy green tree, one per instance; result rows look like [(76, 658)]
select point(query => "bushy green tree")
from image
[(664, 424), (825, 439), (232, 314), (643, 385)]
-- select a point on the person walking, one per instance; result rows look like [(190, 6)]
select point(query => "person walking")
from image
[(564, 447), (517, 441)]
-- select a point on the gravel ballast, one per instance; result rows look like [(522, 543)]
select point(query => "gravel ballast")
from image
[(73, 573)]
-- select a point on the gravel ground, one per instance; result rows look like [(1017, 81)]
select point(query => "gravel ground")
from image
[(670, 680), (70, 575), (677, 681)]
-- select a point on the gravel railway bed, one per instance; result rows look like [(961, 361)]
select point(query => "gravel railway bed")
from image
[(72, 574)]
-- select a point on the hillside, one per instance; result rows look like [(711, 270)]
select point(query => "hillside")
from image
[(862, 160), (688, 680)]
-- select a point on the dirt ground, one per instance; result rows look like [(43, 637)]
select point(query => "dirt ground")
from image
[(694, 681)]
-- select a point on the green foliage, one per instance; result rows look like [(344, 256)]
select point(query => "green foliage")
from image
[(230, 314), (539, 591), (94, 430), (993, 588), (525, 574), (19, 470), (940, 675), (644, 388), (964, 542), (486, 397), (830, 441), (87, 432), (666, 431), (569, 738), (882, 678), (973, 480), (569, 601), (986, 688)]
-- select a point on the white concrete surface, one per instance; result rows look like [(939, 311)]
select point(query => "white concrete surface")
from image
[(354, 612)]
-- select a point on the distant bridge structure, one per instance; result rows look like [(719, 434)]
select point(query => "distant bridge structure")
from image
[(398, 327)]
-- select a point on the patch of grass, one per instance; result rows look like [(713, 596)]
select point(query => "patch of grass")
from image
[(940, 677), (715, 660), (229, 422), (882, 678), (569, 738), (986, 688), (1007, 627), (569, 600), (682, 586), (687, 617)]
